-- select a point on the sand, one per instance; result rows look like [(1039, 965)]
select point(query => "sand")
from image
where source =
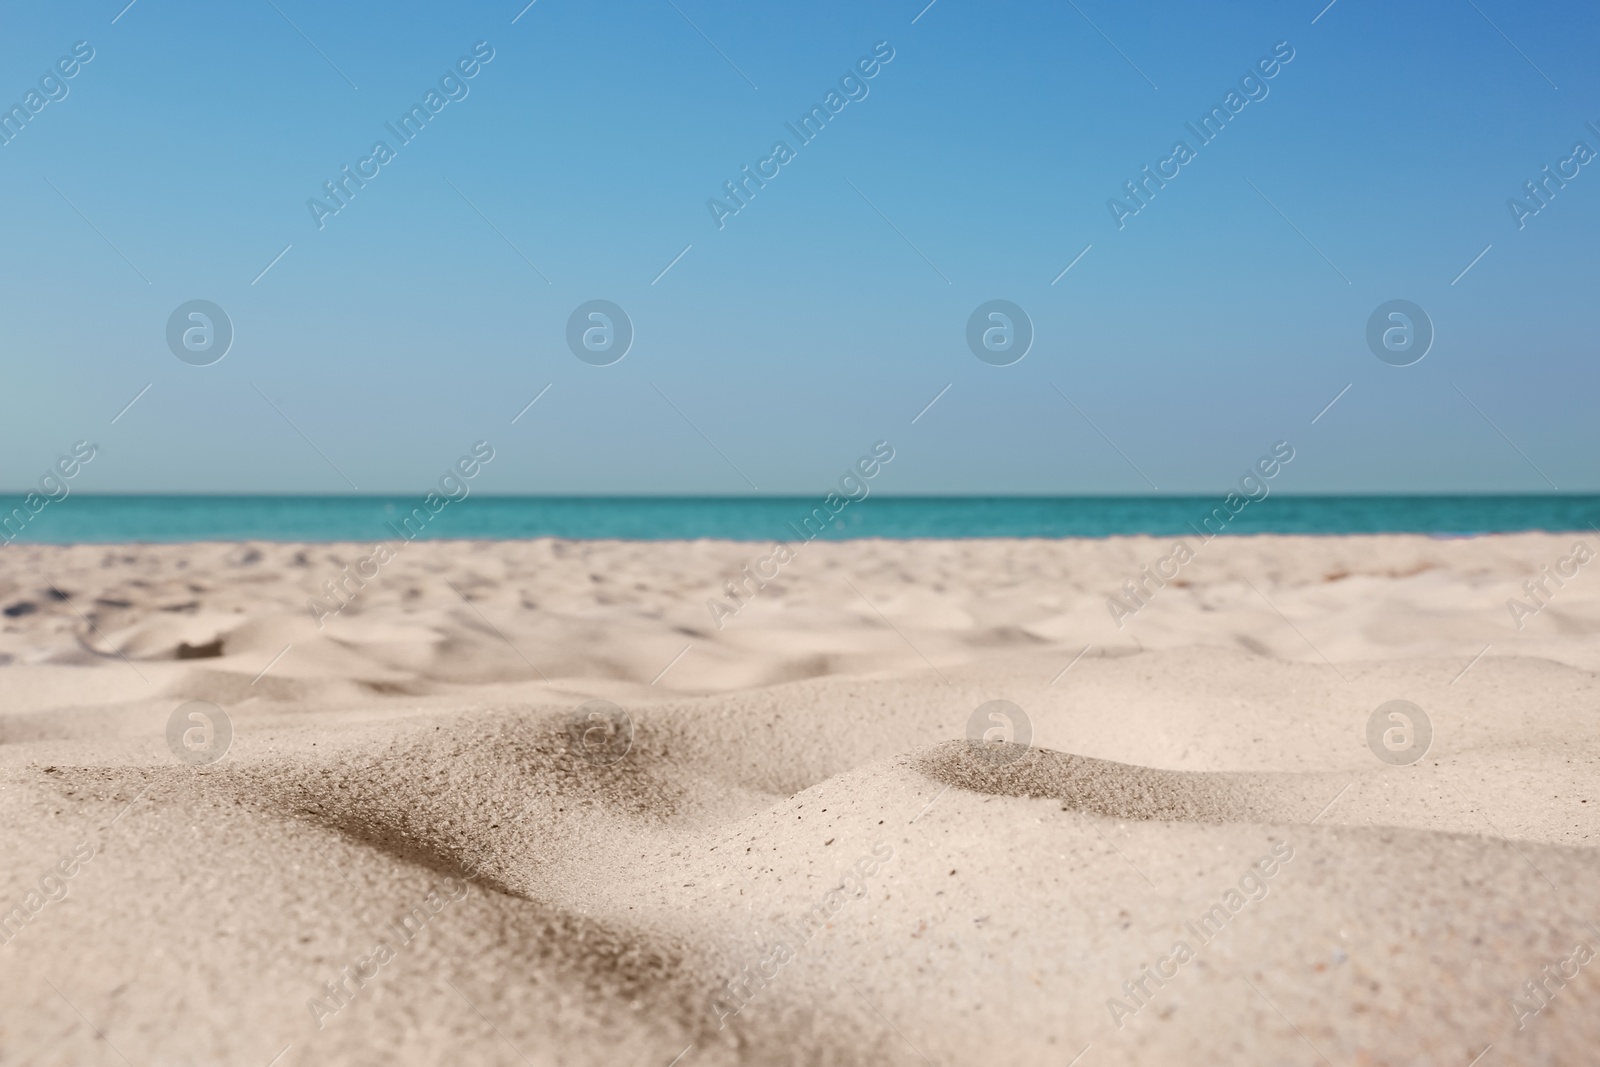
[(421, 847)]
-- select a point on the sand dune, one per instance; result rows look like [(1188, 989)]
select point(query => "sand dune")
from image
[(418, 849)]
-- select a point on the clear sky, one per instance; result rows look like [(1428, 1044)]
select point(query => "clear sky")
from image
[(975, 165)]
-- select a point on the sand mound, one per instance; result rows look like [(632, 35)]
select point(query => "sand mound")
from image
[(1121, 791), (423, 846)]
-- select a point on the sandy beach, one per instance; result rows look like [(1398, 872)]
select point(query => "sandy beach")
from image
[(538, 803)]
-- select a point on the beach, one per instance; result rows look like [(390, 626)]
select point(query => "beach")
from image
[(1294, 799)]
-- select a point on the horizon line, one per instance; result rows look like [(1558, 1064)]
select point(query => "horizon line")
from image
[(719, 497)]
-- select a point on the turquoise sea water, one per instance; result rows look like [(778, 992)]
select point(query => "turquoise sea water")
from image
[(92, 518)]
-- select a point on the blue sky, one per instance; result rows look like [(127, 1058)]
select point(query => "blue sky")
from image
[(832, 308)]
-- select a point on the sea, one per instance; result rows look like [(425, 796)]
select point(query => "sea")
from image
[(88, 518)]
